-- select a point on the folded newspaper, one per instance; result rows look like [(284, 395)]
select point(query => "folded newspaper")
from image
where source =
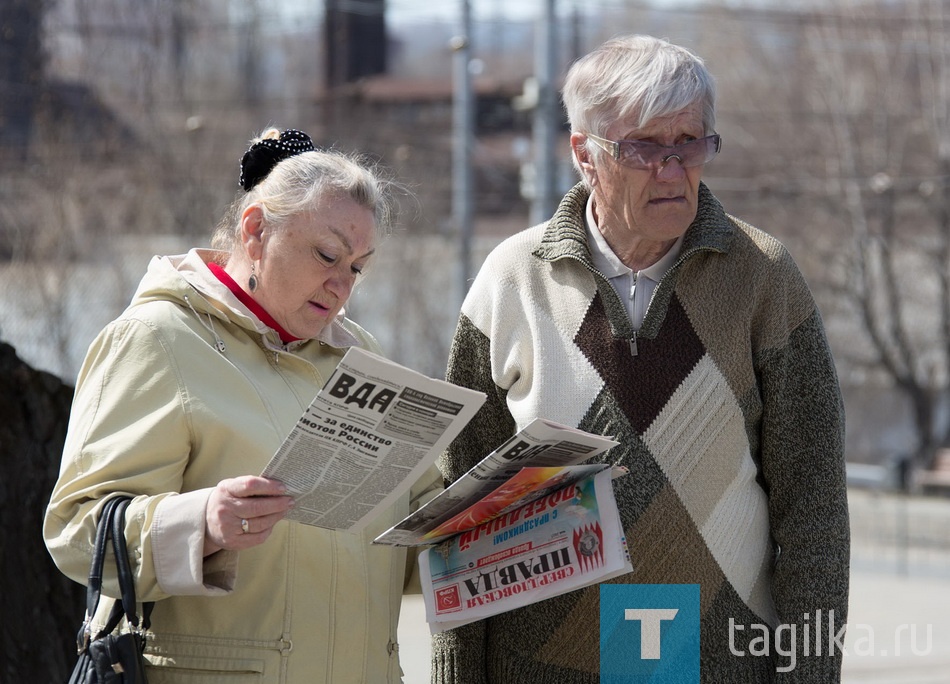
[(526, 523), (367, 436), (561, 542)]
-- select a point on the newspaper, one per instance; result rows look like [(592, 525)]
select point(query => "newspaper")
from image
[(372, 431), (470, 501), (567, 539)]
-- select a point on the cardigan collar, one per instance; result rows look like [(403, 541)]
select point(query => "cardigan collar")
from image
[(565, 236), (565, 233)]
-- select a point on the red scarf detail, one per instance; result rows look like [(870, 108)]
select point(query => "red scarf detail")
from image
[(248, 301)]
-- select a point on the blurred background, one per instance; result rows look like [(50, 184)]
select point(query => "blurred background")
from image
[(122, 125)]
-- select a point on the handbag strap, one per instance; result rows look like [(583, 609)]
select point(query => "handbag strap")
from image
[(112, 524), (94, 587), (126, 583), (126, 578)]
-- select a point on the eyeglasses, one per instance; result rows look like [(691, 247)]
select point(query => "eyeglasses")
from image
[(638, 154)]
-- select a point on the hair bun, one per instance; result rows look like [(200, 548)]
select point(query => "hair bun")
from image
[(264, 155)]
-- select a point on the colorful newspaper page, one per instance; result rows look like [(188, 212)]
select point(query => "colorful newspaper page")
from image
[(525, 486), (541, 444)]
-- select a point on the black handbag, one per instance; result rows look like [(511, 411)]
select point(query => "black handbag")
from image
[(110, 658)]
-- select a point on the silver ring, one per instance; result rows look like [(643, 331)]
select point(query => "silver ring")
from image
[(244, 525)]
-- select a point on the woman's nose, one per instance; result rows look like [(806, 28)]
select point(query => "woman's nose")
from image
[(341, 282)]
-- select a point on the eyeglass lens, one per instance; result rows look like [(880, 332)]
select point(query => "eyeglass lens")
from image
[(647, 155)]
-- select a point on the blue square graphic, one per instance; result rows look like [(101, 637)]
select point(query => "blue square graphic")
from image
[(649, 634)]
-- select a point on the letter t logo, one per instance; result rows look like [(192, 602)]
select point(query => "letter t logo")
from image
[(650, 609), (650, 619)]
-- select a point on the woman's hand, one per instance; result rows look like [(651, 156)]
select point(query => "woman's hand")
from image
[(242, 512)]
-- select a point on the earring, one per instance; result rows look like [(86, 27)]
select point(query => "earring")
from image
[(252, 281)]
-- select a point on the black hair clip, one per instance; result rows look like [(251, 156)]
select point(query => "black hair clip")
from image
[(263, 156)]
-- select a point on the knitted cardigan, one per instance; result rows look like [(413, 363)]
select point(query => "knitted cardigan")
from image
[(729, 416)]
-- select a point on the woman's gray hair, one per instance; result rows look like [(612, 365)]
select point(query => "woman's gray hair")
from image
[(636, 76), (296, 185)]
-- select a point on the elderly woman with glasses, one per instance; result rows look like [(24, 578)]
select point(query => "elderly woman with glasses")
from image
[(643, 311)]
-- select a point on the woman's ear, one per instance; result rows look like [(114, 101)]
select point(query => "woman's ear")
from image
[(252, 231)]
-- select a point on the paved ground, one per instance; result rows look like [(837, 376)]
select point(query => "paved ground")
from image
[(899, 617), (898, 630)]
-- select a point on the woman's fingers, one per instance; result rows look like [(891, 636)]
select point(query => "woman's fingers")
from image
[(242, 512)]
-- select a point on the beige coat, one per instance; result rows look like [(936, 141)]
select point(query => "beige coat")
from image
[(184, 389)]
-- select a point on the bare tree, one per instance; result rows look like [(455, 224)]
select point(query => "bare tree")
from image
[(883, 87)]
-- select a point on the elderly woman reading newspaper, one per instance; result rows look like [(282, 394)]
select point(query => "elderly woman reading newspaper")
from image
[(185, 397)]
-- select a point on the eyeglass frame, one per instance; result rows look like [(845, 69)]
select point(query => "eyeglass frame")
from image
[(612, 147)]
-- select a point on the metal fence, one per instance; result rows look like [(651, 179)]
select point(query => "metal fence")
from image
[(897, 533)]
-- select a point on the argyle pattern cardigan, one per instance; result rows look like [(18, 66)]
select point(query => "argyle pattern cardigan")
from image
[(729, 417)]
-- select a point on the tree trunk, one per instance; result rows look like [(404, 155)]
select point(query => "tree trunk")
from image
[(42, 609)]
